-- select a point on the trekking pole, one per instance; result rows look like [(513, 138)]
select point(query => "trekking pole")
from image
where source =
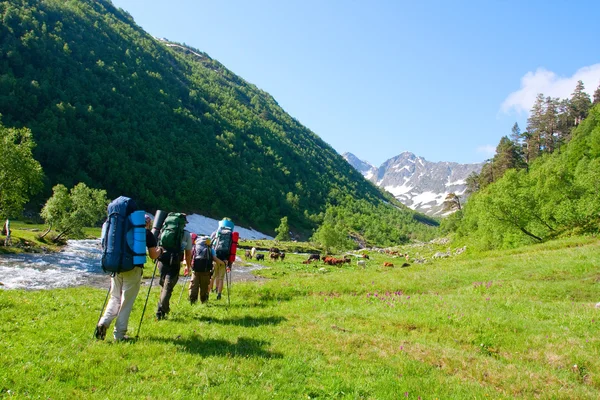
[(103, 305), (183, 288), (148, 295), (228, 285)]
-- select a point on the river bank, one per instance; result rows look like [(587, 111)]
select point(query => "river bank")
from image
[(77, 264)]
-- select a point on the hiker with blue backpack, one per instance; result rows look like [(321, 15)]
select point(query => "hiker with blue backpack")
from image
[(225, 245), (176, 244), (125, 237), (203, 256)]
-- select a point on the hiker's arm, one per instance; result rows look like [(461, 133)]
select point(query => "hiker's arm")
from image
[(154, 252), (188, 259)]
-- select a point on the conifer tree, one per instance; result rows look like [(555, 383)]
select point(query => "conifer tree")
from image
[(580, 103), (535, 129), (597, 95)]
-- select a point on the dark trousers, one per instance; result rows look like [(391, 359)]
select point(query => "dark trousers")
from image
[(200, 280), (169, 275)]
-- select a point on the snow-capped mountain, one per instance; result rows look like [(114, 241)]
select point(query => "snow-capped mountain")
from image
[(420, 184)]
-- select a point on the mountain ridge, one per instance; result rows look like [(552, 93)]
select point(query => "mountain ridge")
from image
[(417, 183)]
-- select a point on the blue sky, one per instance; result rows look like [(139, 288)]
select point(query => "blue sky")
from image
[(442, 79)]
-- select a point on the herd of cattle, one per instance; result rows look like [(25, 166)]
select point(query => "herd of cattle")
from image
[(275, 254)]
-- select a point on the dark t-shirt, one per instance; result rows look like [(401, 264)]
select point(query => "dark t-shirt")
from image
[(150, 240)]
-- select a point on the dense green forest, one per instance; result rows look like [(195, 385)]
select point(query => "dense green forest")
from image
[(112, 107), (543, 183)]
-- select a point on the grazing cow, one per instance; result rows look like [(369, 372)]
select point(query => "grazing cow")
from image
[(248, 254), (361, 263), (316, 257), (365, 256), (253, 252), (274, 256), (346, 259), (306, 261), (260, 257), (388, 264), (274, 250), (281, 256)]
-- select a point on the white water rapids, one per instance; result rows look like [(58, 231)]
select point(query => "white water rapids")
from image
[(77, 264)]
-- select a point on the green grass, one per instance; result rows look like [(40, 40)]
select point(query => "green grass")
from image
[(501, 325)]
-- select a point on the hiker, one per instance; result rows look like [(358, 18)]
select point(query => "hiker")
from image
[(124, 288), (225, 243), (203, 256), (175, 242)]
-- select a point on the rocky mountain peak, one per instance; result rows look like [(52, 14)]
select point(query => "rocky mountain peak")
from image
[(420, 184)]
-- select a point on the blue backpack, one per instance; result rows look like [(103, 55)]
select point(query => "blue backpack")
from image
[(123, 236)]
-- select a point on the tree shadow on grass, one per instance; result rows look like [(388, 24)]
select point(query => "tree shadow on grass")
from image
[(245, 347), (246, 321)]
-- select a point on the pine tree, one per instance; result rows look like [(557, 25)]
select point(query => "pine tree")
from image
[(535, 129), (580, 103), (516, 134), (597, 95), (549, 125)]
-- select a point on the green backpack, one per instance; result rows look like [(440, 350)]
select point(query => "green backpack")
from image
[(171, 232)]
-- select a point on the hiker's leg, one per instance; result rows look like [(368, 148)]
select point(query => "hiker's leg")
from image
[(169, 283), (132, 281), (204, 281), (194, 286), (114, 304), (219, 276)]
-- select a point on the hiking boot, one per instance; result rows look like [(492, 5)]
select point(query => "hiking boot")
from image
[(218, 296), (160, 316), (124, 339), (100, 332)]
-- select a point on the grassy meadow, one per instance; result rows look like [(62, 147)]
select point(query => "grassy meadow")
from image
[(499, 325)]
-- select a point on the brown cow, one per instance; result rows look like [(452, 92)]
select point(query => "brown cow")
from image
[(388, 264), (274, 256), (281, 256), (248, 254)]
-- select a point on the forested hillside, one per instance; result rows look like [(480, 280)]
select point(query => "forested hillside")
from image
[(111, 106), (534, 199)]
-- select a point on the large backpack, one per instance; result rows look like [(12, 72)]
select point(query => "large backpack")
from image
[(202, 256), (123, 236), (171, 232), (223, 241)]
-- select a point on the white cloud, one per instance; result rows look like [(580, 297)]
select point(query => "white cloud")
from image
[(487, 150), (550, 84)]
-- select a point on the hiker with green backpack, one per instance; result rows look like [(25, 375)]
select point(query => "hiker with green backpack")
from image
[(176, 244)]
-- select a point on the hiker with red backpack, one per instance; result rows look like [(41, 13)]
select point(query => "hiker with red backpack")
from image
[(176, 244), (203, 256), (124, 241)]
